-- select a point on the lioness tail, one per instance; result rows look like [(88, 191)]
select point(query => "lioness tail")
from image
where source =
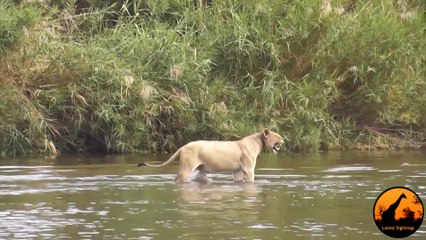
[(171, 159)]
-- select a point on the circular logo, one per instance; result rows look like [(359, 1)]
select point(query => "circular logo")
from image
[(398, 212)]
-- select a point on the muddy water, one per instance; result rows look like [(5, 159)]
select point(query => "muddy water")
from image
[(296, 196)]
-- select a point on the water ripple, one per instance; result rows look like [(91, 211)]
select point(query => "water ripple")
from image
[(107, 202)]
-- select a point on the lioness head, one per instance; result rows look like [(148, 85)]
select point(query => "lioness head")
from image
[(272, 140)]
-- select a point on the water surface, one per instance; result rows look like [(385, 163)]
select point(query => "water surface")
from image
[(295, 196)]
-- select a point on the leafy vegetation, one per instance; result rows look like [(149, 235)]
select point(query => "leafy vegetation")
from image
[(126, 76)]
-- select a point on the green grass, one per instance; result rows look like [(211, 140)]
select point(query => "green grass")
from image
[(153, 75)]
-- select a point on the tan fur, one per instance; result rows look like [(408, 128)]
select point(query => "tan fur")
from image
[(238, 157)]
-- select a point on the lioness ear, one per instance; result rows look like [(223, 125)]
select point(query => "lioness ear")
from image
[(266, 132)]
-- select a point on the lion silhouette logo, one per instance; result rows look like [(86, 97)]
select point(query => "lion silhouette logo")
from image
[(398, 212)]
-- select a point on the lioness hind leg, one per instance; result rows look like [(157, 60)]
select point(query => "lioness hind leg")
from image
[(183, 175), (181, 178), (187, 166), (201, 177)]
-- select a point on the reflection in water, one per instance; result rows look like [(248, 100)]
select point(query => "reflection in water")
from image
[(224, 201), (218, 206), (294, 197), (204, 193)]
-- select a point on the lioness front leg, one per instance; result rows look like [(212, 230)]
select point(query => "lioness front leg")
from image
[(239, 176), (249, 175)]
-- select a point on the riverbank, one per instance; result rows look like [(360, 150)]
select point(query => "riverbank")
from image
[(153, 76)]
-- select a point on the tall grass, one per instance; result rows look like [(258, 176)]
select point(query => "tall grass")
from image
[(126, 76)]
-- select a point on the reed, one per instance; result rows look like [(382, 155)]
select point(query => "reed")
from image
[(128, 76)]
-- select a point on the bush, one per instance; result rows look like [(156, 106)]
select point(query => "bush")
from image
[(328, 75), (13, 24)]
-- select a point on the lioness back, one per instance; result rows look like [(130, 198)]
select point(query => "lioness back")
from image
[(215, 155)]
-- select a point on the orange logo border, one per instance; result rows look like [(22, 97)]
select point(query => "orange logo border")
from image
[(398, 212)]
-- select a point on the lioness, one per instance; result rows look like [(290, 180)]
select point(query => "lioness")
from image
[(220, 156)]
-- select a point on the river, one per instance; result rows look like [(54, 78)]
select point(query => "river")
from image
[(295, 196)]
